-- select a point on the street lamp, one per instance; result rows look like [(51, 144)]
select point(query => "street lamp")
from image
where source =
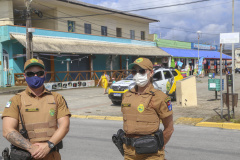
[(199, 34)]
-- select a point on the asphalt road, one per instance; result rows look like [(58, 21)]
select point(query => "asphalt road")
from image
[(91, 140)]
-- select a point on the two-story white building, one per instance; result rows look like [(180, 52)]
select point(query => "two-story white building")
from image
[(72, 36)]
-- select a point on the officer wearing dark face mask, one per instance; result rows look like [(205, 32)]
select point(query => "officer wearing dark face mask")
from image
[(45, 116), (143, 107)]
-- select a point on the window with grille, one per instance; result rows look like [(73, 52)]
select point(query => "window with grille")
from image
[(71, 26), (87, 28), (104, 30), (142, 35), (119, 32), (132, 34)]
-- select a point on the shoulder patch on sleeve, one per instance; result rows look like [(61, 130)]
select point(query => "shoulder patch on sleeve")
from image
[(167, 99), (8, 104), (168, 102)]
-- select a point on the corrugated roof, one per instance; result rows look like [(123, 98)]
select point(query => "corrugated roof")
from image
[(107, 9), (191, 53), (44, 44)]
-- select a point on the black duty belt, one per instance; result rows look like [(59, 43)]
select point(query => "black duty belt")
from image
[(128, 141)]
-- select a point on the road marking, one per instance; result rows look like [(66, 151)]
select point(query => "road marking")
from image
[(188, 120)]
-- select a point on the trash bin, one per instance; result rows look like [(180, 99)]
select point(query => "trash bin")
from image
[(235, 99)]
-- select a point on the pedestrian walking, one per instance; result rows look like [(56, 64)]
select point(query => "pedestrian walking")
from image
[(36, 120), (104, 82)]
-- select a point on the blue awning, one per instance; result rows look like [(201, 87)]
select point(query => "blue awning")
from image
[(190, 53)]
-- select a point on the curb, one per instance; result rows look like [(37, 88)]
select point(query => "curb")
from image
[(181, 119), (11, 92), (113, 118), (219, 125)]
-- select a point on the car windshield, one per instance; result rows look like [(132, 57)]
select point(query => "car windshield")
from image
[(129, 77)]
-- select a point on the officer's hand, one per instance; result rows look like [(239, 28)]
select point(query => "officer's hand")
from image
[(42, 151), (33, 149)]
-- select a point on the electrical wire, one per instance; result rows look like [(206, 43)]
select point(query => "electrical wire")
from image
[(94, 24), (124, 12)]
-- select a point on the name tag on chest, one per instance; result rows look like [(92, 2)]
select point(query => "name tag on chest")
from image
[(32, 110), (126, 105)]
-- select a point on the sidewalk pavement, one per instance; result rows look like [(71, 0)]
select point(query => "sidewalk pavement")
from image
[(11, 90)]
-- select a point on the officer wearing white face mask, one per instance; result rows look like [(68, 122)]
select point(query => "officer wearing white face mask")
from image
[(143, 107)]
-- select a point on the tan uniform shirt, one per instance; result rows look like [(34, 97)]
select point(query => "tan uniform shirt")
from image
[(142, 112), (11, 109)]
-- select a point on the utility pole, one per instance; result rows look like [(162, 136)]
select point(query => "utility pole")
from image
[(233, 52), (28, 34)]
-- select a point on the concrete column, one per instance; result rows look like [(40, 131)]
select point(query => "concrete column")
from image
[(111, 62), (187, 63), (127, 59), (169, 61), (10, 65), (1, 65), (195, 63)]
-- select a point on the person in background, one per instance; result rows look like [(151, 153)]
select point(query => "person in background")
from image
[(104, 82)]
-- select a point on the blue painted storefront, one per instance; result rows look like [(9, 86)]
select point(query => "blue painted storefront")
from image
[(100, 62)]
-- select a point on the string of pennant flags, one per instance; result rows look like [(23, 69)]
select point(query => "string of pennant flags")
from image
[(67, 60)]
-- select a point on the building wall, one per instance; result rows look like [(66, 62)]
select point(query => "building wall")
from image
[(112, 21), (6, 9), (47, 23)]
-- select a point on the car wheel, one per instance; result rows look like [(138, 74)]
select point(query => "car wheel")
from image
[(116, 102)]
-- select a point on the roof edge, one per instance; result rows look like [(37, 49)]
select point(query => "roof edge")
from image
[(107, 9)]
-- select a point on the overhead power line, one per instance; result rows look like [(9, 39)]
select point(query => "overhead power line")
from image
[(124, 12), (91, 23)]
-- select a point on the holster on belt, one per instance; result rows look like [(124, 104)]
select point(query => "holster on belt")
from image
[(19, 154), (118, 140), (146, 144), (160, 138), (5, 154)]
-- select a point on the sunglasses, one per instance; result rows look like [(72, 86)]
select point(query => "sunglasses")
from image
[(141, 71), (31, 74)]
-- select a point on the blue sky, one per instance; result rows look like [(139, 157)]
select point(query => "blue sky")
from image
[(182, 22)]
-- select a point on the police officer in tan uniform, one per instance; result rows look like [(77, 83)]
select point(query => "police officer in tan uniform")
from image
[(44, 113), (143, 107)]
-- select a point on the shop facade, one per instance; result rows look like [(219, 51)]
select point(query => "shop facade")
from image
[(185, 56), (68, 56)]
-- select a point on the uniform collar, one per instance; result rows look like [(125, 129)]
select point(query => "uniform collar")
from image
[(30, 93), (149, 90)]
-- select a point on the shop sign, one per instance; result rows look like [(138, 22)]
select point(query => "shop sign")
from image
[(229, 38), (204, 47)]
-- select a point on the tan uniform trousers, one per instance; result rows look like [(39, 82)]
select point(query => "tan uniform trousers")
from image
[(130, 154), (51, 156)]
